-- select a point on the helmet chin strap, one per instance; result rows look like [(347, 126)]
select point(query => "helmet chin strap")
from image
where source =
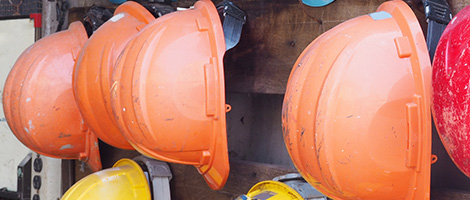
[(438, 15)]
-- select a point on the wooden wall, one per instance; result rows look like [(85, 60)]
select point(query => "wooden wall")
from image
[(275, 34), (277, 31)]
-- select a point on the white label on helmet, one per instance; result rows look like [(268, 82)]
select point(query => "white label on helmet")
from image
[(117, 17)]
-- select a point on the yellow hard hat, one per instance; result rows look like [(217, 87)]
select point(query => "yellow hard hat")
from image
[(272, 190), (126, 180), (290, 186)]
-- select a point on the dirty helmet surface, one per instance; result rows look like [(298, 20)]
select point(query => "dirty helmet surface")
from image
[(94, 68), (451, 89), (356, 118), (168, 91), (39, 103)]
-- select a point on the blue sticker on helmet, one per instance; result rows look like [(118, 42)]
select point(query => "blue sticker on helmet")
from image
[(380, 15)]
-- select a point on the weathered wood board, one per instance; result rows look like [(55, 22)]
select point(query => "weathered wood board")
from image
[(188, 184), (277, 31)]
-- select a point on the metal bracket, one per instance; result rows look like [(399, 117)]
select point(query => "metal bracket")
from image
[(159, 175), (437, 10), (158, 9), (438, 15), (232, 19), (298, 183), (24, 181)]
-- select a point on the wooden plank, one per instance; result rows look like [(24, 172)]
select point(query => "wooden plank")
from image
[(276, 33), (274, 36), (67, 174), (445, 194), (188, 184), (254, 128), (457, 5), (89, 3)]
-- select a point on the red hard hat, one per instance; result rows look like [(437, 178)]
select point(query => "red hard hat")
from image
[(38, 99), (168, 91), (451, 89), (95, 65), (356, 118)]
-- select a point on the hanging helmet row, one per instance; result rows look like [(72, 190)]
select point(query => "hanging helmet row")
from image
[(156, 85), (356, 116)]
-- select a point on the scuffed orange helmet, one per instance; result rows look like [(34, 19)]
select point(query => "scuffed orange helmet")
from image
[(168, 91), (95, 65), (356, 116), (38, 99)]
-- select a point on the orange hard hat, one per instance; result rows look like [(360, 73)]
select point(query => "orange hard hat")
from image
[(38, 99), (95, 65), (356, 116), (168, 91)]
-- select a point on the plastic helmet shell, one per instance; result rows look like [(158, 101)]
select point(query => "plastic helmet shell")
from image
[(356, 118), (169, 95), (451, 89), (272, 190), (125, 181), (92, 76), (317, 3), (38, 99)]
